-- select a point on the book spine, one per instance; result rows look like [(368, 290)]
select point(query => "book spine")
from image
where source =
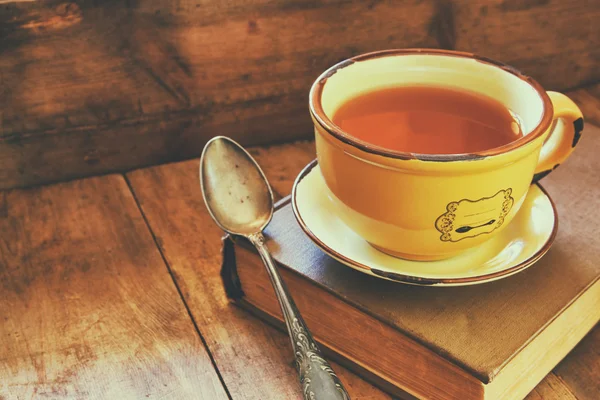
[(229, 275)]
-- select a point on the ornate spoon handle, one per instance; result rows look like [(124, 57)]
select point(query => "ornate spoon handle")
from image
[(317, 378)]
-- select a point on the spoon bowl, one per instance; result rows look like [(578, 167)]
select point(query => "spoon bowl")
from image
[(235, 189)]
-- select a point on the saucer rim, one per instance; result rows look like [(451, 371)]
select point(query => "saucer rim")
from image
[(417, 280)]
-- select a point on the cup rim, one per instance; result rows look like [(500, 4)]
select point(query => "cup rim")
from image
[(316, 108)]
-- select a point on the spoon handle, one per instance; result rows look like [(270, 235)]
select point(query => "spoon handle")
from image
[(317, 378)]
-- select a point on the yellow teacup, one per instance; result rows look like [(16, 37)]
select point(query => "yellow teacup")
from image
[(430, 207)]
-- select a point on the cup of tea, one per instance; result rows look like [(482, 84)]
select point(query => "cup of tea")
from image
[(427, 153)]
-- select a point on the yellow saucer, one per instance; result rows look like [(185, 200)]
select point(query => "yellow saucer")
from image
[(522, 243)]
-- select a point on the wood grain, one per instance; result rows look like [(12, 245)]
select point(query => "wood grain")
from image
[(87, 306), (91, 87), (255, 360)]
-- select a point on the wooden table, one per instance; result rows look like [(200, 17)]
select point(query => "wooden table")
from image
[(110, 289)]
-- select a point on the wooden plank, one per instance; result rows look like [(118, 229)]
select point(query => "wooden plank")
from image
[(87, 306), (255, 360), (90, 87)]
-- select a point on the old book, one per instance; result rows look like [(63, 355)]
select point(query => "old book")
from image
[(496, 340), (491, 341)]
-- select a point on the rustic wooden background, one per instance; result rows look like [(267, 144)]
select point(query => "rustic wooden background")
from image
[(91, 87)]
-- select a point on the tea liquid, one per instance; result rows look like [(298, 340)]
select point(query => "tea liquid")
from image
[(428, 120)]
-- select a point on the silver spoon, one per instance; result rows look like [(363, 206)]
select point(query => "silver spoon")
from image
[(240, 200)]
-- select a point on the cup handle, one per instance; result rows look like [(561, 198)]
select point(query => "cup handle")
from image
[(566, 132)]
